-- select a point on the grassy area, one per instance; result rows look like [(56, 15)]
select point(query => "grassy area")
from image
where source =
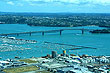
[(28, 61), (21, 69)]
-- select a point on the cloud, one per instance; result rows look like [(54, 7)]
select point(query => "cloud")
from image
[(10, 3), (99, 2), (14, 2), (19, 4), (52, 1), (76, 2)]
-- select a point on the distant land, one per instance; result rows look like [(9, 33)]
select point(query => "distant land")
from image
[(56, 19)]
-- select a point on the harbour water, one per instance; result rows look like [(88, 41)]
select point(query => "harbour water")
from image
[(99, 41)]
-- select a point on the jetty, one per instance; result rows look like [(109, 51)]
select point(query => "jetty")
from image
[(43, 32), (75, 46)]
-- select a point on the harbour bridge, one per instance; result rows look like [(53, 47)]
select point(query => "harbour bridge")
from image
[(43, 32)]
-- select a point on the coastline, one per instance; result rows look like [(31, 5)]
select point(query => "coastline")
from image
[(59, 63)]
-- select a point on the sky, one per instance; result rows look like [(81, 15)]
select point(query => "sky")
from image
[(56, 6)]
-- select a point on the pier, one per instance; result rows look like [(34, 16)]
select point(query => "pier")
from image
[(43, 32), (75, 46)]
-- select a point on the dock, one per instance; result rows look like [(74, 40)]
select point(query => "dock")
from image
[(76, 46)]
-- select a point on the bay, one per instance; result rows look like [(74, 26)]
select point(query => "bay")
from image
[(99, 41)]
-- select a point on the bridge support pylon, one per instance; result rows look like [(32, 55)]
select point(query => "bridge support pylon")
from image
[(30, 34), (43, 33), (17, 34), (82, 31), (61, 32)]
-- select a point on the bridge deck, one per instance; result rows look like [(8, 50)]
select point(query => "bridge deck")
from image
[(48, 31)]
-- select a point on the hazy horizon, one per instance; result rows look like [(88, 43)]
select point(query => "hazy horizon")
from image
[(56, 12)]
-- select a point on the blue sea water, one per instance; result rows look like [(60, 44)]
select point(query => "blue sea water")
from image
[(73, 37)]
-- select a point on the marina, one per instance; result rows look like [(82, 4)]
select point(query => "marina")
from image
[(13, 40)]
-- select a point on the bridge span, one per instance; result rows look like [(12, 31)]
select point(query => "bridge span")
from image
[(43, 32)]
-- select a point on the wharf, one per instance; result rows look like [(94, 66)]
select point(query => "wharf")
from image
[(77, 47)]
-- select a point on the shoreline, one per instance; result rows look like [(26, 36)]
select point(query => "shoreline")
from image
[(55, 62)]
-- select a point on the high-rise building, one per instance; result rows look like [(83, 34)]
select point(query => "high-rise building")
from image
[(54, 54), (64, 52)]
